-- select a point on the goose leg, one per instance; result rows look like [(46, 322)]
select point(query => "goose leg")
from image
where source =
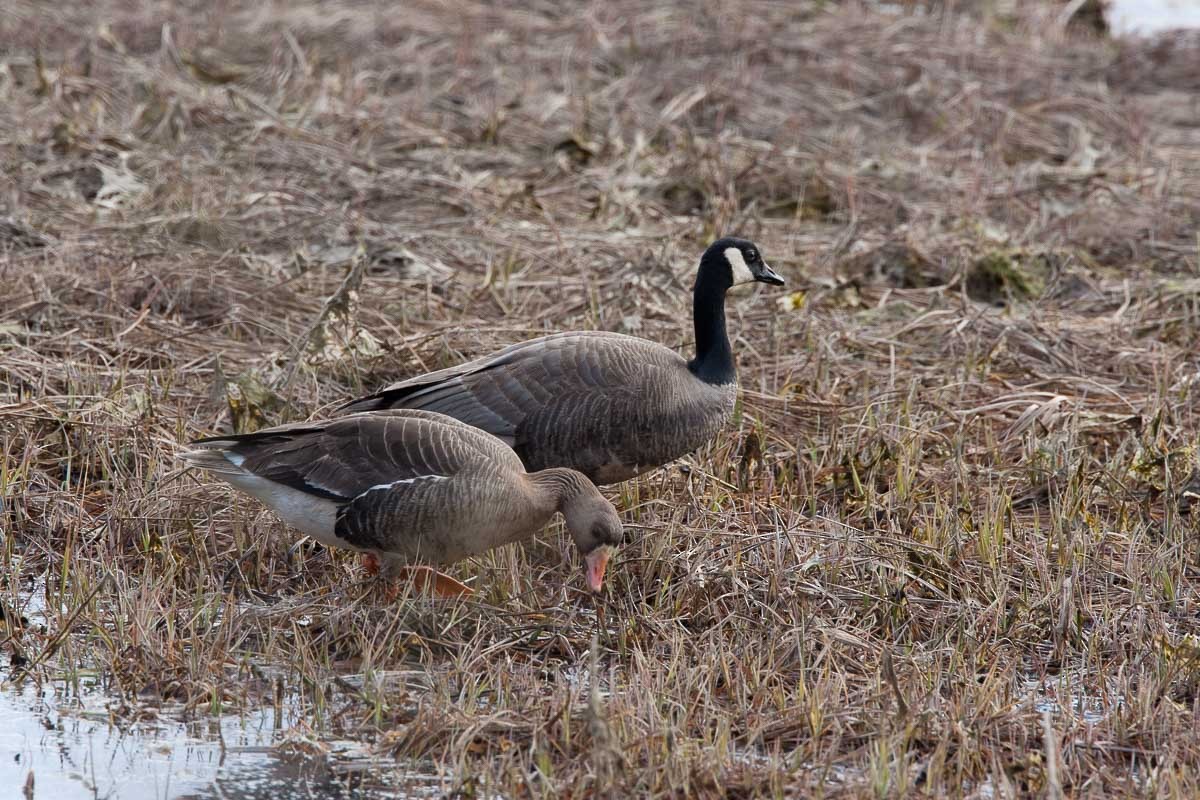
[(420, 577), (440, 584)]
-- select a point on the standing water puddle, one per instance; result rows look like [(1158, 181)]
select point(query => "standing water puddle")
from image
[(73, 750), (64, 734), (1149, 17)]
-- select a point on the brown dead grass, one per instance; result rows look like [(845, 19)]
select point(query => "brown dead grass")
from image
[(959, 503)]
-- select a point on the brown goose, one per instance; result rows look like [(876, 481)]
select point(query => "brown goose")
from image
[(608, 405), (411, 487)]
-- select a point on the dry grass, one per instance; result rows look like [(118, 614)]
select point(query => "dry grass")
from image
[(959, 504)]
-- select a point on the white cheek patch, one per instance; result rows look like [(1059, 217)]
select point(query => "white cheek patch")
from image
[(737, 266)]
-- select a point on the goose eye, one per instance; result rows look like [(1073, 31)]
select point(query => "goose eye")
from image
[(751, 256)]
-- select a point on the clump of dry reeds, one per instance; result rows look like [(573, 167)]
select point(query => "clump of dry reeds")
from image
[(950, 541)]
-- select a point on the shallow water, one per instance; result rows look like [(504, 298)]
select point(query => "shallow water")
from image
[(67, 741), (63, 732), (1149, 17), (1065, 695), (74, 750)]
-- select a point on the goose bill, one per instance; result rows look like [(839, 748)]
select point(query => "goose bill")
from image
[(768, 275), (597, 562)]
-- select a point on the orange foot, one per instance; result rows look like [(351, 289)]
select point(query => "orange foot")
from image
[(422, 577), (371, 564)]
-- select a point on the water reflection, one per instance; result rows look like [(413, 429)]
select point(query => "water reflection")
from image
[(74, 749)]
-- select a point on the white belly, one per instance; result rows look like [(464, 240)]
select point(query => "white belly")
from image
[(307, 513)]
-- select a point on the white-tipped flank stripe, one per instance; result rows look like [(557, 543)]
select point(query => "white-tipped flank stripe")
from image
[(322, 487), (406, 480), (235, 458), (737, 266)]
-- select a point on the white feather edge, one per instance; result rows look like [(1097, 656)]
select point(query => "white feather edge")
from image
[(393, 484)]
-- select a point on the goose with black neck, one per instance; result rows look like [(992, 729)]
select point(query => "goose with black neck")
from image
[(606, 404)]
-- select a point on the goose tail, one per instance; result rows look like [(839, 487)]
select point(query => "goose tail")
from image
[(212, 457)]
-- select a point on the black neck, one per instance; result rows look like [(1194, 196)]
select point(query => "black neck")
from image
[(714, 360)]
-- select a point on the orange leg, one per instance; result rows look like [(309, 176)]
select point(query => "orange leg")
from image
[(371, 564), (423, 578)]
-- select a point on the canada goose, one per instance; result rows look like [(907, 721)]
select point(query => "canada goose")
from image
[(609, 405), (411, 487)]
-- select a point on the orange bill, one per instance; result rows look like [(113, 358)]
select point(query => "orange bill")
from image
[(597, 563)]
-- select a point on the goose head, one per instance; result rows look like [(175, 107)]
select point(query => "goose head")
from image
[(594, 525), (736, 261)]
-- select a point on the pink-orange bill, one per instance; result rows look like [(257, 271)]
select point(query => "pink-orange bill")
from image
[(597, 562)]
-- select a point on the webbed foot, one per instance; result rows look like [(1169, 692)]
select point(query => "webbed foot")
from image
[(427, 578)]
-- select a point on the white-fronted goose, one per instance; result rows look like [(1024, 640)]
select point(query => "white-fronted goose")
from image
[(411, 487), (608, 405)]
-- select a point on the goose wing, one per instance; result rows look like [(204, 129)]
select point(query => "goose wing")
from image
[(499, 392), (341, 459)]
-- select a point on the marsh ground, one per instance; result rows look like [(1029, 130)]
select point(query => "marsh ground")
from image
[(949, 548)]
